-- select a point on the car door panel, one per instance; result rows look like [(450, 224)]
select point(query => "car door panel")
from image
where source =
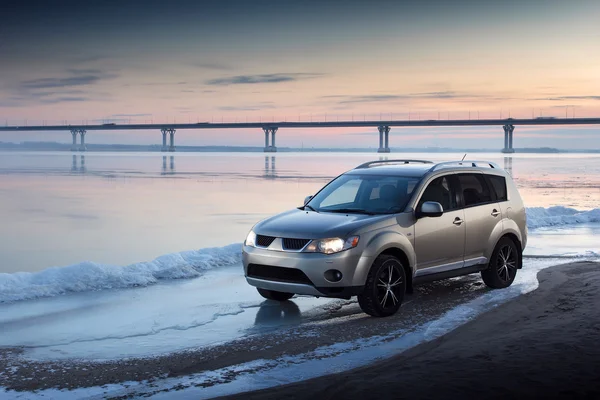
[(439, 241)]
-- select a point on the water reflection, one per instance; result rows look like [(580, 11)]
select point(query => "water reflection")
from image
[(171, 170), (508, 165), (273, 313), (75, 167), (270, 172)]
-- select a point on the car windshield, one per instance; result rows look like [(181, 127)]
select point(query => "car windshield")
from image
[(364, 194)]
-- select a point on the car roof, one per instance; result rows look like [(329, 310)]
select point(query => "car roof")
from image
[(408, 170), (420, 168)]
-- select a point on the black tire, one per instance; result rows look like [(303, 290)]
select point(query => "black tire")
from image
[(385, 287), (273, 295), (503, 265)]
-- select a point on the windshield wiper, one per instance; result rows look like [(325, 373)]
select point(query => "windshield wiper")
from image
[(309, 207), (351, 211)]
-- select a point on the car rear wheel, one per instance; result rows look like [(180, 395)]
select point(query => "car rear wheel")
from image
[(274, 295), (385, 287), (503, 265)]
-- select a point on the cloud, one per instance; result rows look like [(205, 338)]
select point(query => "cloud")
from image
[(563, 98), (251, 107), (367, 99), (348, 99), (75, 77), (213, 66), (48, 83), (65, 99), (132, 115), (265, 78)]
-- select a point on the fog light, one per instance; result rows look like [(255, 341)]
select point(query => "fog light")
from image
[(333, 275)]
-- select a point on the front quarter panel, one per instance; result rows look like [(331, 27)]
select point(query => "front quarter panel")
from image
[(382, 240)]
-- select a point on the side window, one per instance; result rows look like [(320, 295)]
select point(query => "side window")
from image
[(344, 194), (440, 190), (474, 189), (498, 183)]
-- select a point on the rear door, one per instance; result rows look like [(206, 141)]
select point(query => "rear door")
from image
[(440, 241), (482, 214)]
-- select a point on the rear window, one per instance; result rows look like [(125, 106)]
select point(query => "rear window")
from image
[(499, 186)]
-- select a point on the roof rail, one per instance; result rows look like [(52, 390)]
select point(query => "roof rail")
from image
[(466, 163), (368, 164)]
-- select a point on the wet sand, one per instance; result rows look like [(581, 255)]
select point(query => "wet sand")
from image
[(545, 344)]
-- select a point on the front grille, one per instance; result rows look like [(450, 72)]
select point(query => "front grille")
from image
[(280, 274), (264, 241), (294, 244)]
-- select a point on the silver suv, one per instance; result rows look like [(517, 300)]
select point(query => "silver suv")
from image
[(379, 229)]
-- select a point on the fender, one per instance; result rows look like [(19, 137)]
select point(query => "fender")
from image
[(382, 241), (501, 229)]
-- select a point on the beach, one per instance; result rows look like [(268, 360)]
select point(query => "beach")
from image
[(543, 344)]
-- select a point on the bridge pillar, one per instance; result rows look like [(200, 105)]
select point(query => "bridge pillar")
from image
[(82, 133), (387, 139), (74, 133), (384, 131), (164, 137), (508, 139), (171, 139), (270, 130)]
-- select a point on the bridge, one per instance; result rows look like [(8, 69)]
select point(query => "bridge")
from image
[(270, 128)]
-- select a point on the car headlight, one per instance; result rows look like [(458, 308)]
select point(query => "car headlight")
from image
[(332, 245), (251, 239)]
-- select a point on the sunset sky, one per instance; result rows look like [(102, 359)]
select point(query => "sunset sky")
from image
[(158, 61)]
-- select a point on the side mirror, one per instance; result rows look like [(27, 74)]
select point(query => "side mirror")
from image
[(307, 199), (430, 209)]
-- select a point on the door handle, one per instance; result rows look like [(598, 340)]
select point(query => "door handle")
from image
[(495, 213), (457, 221)]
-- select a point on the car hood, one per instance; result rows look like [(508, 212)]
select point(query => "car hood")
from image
[(300, 224)]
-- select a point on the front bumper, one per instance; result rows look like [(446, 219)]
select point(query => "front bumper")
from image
[(353, 266)]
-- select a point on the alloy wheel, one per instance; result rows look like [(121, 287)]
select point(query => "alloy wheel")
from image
[(506, 263), (389, 285)]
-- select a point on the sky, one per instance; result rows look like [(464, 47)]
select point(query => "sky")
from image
[(233, 60)]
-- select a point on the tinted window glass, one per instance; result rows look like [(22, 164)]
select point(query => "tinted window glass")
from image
[(499, 186), (441, 191), (474, 189)]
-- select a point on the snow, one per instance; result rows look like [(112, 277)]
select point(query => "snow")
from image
[(89, 276), (538, 217)]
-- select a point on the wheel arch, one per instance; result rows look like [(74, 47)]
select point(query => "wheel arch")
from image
[(515, 239), (401, 255), (396, 244)]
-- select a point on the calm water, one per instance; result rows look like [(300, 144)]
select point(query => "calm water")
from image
[(118, 208)]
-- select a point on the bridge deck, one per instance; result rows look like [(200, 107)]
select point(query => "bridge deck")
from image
[(329, 124)]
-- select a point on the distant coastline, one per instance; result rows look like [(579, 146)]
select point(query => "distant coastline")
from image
[(55, 146)]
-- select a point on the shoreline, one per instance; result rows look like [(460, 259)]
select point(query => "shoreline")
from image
[(271, 341), (542, 344)]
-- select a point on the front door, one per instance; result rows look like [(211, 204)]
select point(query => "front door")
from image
[(440, 241)]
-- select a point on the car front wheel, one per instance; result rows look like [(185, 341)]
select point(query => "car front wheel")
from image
[(385, 287), (274, 295)]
